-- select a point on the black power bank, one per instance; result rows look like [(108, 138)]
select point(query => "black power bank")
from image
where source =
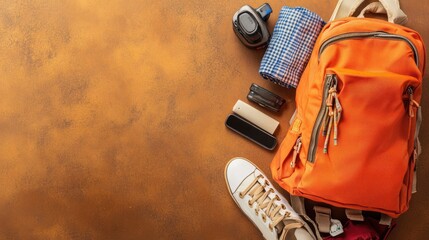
[(251, 131)]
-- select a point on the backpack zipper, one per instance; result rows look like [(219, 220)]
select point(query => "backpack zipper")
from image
[(332, 115), (412, 103), (378, 34), (329, 80), (296, 150)]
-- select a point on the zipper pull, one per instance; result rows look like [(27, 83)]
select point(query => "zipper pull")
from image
[(325, 122), (337, 117), (325, 145), (412, 103), (296, 148), (329, 111)]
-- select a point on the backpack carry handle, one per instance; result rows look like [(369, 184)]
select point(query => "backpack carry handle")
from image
[(346, 8)]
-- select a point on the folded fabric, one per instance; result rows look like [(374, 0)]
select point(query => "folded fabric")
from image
[(290, 47)]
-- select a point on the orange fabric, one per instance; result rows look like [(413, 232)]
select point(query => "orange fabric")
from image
[(371, 168)]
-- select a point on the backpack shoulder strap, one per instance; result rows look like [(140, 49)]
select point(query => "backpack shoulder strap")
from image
[(417, 146)]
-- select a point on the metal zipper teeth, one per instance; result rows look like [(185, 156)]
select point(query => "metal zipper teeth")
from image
[(316, 129), (346, 36)]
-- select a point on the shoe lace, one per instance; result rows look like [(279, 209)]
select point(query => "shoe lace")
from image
[(265, 203)]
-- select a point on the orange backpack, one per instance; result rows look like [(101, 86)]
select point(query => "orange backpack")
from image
[(353, 141)]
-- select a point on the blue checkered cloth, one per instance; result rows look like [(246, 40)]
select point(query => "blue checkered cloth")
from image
[(290, 47)]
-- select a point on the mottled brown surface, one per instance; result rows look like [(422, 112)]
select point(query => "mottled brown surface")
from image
[(112, 119)]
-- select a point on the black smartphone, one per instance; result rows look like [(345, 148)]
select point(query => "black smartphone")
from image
[(251, 131), (265, 98)]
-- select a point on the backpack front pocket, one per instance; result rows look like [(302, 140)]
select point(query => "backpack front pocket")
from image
[(361, 139)]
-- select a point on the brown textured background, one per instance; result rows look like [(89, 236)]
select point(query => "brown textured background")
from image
[(112, 119)]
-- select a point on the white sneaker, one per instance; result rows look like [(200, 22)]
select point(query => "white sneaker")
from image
[(266, 208)]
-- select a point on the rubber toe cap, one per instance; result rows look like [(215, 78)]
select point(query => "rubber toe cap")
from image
[(236, 171)]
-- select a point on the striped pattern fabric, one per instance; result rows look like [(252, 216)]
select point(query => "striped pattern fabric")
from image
[(290, 47)]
